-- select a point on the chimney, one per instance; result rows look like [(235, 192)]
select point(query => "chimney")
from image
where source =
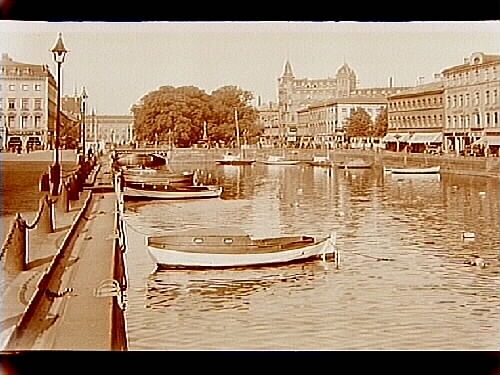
[(390, 82)]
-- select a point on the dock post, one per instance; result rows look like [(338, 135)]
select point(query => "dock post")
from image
[(63, 199), (46, 223), (16, 247)]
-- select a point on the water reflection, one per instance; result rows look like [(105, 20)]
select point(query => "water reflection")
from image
[(209, 290)]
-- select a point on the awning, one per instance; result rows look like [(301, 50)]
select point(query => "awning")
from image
[(488, 140), (396, 137), (426, 138)]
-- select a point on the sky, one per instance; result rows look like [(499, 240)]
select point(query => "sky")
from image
[(119, 63)]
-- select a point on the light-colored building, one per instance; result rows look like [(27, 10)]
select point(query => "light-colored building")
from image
[(296, 93), (472, 103), (324, 123), (415, 118), (268, 120), (28, 100), (111, 129)]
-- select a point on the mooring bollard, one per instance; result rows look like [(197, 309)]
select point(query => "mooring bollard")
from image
[(46, 222), (45, 182), (16, 247), (74, 193), (62, 200)]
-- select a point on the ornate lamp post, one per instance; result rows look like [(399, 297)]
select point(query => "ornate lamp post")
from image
[(59, 53), (84, 97)]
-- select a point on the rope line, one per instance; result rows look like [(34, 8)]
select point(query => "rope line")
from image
[(8, 239), (372, 257)]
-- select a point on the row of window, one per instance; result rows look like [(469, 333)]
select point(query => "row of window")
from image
[(25, 122), (471, 77), (490, 119), (23, 87), (464, 100), (16, 70), (24, 104), (416, 103)]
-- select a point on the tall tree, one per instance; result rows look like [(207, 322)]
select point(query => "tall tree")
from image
[(381, 123), (359, 124)]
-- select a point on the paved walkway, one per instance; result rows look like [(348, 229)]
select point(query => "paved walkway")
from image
[(83, 320)]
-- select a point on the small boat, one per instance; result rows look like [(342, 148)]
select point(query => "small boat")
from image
[(355, 164), (138, 160), (137, 190), (231, 159), (163, 176), (425, 170), (209, 248), (320, 161), (280, 160)]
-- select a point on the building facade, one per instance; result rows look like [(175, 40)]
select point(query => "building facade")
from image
[(323, 124), (28, 99), (268, 120), (471, 100), (112, 129), (415, 118), (296, 93)]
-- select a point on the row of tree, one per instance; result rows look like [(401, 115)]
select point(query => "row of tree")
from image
[(184, 115), (360, 124)]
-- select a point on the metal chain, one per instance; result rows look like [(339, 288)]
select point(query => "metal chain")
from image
[(8, 239)]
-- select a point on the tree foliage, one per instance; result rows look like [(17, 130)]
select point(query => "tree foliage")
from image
[(178, 114), (359, 124), (381, 123)]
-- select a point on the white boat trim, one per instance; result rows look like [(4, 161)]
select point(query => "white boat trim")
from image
[(211, 192), (435, 169)]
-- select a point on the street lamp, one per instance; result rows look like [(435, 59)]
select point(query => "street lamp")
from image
[(84, 100), (59, 53)]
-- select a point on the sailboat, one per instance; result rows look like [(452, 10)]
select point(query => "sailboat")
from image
[(280, 159), (235, 159)]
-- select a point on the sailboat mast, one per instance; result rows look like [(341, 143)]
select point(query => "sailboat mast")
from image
[(237, 128)]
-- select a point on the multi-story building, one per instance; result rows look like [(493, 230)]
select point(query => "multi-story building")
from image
[(471, 101), (457, 110), (112, 129), (324, 123), (268, 120), (28, 95), (296, 93), (415, 118)]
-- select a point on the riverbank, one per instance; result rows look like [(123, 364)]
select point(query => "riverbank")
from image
[(450, 163)]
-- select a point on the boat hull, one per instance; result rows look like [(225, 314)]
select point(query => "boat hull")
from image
[(235, 162), (175, 258), (169, 192), (284, 162), (429, 170)]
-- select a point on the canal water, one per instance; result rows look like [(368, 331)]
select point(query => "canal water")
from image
[(402, 282)]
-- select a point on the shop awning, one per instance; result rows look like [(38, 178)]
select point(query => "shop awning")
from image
[(396, 137), (426, 138), (488, 140)]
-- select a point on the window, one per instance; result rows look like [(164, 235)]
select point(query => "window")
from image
[(24, 104), (12, 103), (24, 122), (12, 87), (38, 121), (487, 119), (38, 104), (476, 98), (38, 87), (478, 119), (25, 87), (11, 121), (1, 104), (467, 100), (461, 100), (487, 97)]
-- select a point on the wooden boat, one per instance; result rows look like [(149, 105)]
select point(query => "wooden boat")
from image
[(320, 161), (138, 160), (231, 159), (425, 170), (158, 176), (355, 164), (211, 248), (136, 190), (280, 160)]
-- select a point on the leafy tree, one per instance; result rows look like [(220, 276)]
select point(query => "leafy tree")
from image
[(359, 124), (181, 112), (381, 123)]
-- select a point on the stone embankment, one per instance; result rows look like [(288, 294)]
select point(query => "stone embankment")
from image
[(66, 272)]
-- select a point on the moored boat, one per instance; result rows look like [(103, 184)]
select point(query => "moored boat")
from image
[(169, 191), (232, 159), (231, 247), (320, 161), (162, 176), (425, 170), (355, 164), (279, 160)]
